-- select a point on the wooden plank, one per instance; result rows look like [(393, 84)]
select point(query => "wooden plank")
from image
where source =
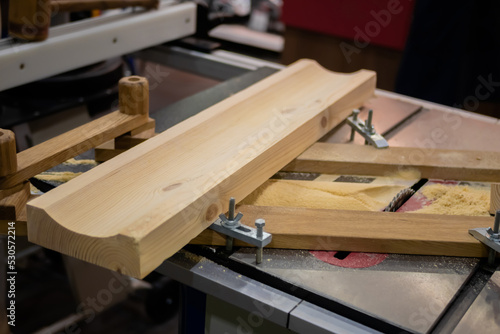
[(495, 198), (367, 160), (12, 206), (363, 231), (134, 211), (48, 154)]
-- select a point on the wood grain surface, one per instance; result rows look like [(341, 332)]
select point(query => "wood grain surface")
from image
[(495, 198), (133, 212), (367, 160), (362, 231)]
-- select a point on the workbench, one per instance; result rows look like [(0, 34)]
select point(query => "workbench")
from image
[(292, 289)]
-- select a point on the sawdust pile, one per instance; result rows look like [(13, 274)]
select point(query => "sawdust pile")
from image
[(74, 162), (57, 176), (456, 200), (323, 195)]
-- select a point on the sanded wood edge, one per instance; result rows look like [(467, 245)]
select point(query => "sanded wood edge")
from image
[(61, 148), (351, 159), (362, 231), (120, 253)]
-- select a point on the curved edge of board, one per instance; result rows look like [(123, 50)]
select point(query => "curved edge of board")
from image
[(118, 215), (119, 252)]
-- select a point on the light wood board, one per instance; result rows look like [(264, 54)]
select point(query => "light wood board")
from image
[(367, 160), (362, 231), (134, 211)]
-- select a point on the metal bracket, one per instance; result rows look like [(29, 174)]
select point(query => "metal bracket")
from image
[(366, 129), (231, 227), (490, 237)]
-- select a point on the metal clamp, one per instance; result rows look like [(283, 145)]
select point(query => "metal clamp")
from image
[(366, 129), (232, 228), (490, 237)]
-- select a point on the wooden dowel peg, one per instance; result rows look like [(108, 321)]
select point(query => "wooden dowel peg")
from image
[(495, 198), (8, 157), (133, 95)]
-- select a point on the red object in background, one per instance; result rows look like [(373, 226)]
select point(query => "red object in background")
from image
[(381, 22), (352, 260)]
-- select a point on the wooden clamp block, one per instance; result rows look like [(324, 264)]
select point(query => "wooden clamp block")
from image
[(113, 148), (133, 113), (16, 169), (133, 99)]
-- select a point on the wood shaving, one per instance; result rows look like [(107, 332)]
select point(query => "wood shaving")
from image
[(456, 200), (74, 162), (323, 195), (57, 176)]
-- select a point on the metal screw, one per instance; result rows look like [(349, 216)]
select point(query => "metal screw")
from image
[(232, 206), (496, 227), (230, 217), (229, 244), (369, 126), (355, 114), (259, 223)]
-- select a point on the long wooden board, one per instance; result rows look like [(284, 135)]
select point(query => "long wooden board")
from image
[(134, 211), (367, 160), (54, 151), (362, 231)]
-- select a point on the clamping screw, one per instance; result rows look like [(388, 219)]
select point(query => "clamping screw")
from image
[(231, 221), (355, 114), (369, 126)]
